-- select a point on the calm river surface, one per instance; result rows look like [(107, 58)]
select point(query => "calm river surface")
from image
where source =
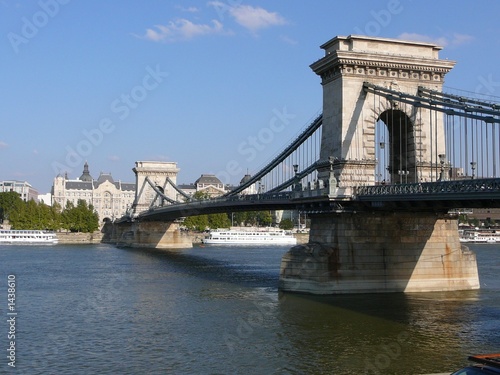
[(217, 310)]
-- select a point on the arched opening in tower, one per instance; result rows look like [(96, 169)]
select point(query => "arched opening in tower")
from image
[(395, 148)]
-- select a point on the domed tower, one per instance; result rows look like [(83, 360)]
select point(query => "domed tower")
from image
[(86, 174), (251, 189)]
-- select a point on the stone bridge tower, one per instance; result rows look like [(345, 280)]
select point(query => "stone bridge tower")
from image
[(350, 114), (150, 234), (379, 250), (157, 172)]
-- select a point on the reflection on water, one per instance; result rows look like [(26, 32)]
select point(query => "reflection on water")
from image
[(217, 310), (390, 332)]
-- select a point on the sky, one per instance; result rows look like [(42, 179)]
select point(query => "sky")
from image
[(218, 87)]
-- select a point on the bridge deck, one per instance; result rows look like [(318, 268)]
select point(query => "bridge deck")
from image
[(431, 196)]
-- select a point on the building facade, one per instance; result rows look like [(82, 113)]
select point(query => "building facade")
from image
[(23, 188), (109, 198), (114, 199), (210, 185), (45, 199), (252, 189)]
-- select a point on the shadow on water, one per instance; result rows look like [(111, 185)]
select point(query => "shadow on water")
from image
[(388, 333), (397, 333), (212, 269)]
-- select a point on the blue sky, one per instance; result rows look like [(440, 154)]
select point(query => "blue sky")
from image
[(216, 86)]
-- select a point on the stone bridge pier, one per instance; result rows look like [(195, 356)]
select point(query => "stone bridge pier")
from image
[(139, 233), (380, 252), (147, 234)]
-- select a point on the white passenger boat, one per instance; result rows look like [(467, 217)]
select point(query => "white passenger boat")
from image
[(10, 236), (479, 235), (250, 237)]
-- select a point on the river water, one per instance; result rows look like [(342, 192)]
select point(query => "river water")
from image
[(98, 309)]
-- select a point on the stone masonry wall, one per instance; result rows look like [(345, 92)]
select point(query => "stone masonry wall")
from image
[(380, 252)]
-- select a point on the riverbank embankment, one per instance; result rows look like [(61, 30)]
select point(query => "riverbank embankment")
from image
[(69, 238)]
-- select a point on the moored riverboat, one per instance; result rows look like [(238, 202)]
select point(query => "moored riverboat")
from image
[(11, 236), (480, 235), (250, 237)]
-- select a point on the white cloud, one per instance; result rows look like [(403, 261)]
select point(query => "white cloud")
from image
[(255, 18), (189, 9), (423, 38), (159, 157), (453, 40), (459, 39), (114, 158), (182, 29), (250, 17), (288, 40), (3, 145)]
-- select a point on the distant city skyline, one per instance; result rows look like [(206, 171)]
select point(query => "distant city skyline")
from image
[(219, 87)]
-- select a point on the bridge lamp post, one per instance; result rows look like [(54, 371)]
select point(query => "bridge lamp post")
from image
[(402, 173), (261, 187), (473, 167), (442, 160), (296, 171)]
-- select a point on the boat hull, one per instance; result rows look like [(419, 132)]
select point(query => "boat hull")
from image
[(27, 237), (242, 237), (291, 241)]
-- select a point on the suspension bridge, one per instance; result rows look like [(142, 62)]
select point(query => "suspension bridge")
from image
[(378, 171), (453, 183)]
